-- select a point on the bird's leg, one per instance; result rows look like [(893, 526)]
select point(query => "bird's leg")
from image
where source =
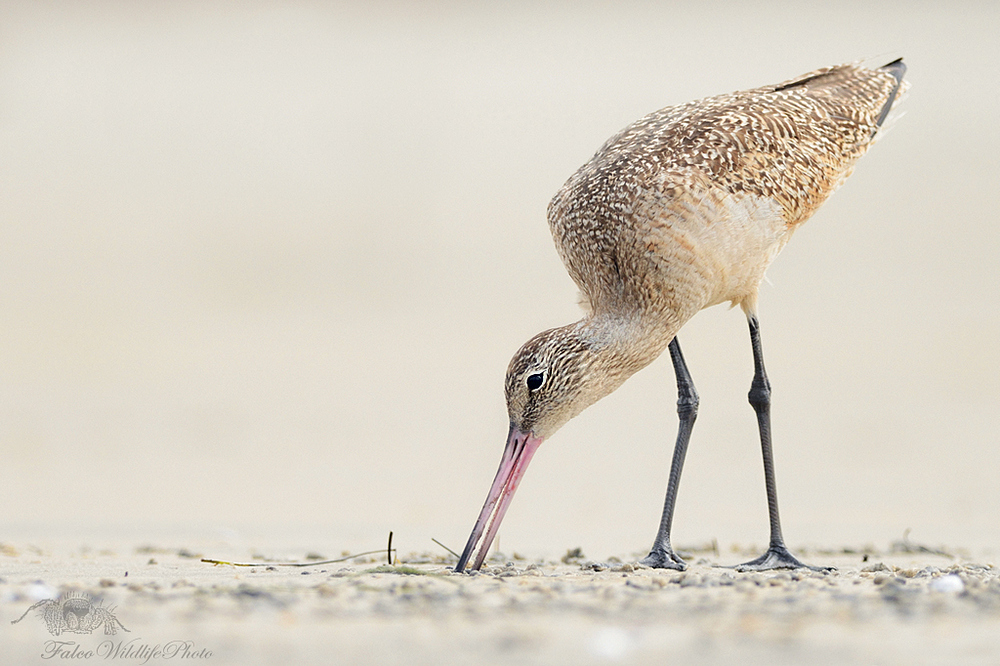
[(662, 555), (777, 555)]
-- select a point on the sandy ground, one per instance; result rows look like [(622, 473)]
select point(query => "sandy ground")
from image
[(263, 265), (892, 607)]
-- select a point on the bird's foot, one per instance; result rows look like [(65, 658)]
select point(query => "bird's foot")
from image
[(777, 557), (663, 558)]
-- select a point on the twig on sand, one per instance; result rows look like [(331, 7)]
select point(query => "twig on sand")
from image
[(907, 546), (444, 546), (389, 550)]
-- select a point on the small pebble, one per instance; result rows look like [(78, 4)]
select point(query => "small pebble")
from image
[(691, 580), (948, 584), (879, 566), (40, 590)]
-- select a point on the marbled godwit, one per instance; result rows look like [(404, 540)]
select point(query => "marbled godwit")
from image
[(679, 211)]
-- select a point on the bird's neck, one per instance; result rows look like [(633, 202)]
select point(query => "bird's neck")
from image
[(623, 344)]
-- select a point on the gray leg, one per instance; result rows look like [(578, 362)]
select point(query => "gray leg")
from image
[(777, 555), (662, 555)]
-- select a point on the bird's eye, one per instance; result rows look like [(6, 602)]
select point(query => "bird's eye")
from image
[(534, 381)]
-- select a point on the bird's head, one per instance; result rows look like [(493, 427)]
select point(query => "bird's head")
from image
[(552, 378)]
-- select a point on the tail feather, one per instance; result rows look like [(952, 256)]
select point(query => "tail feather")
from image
[(897, 69)]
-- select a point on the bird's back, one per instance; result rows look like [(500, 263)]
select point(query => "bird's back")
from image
[(687, 206)]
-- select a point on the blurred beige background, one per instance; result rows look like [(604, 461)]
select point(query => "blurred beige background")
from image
[(262, 269)]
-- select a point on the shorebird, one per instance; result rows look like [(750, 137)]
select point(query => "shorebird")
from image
[(682, 210)]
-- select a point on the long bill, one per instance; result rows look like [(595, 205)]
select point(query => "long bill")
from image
[(521, 446)]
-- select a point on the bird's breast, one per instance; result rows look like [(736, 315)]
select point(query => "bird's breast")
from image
[(712, 249), (673, 250)]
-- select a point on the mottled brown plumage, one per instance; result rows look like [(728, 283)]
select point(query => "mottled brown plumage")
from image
[(681, 210)]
